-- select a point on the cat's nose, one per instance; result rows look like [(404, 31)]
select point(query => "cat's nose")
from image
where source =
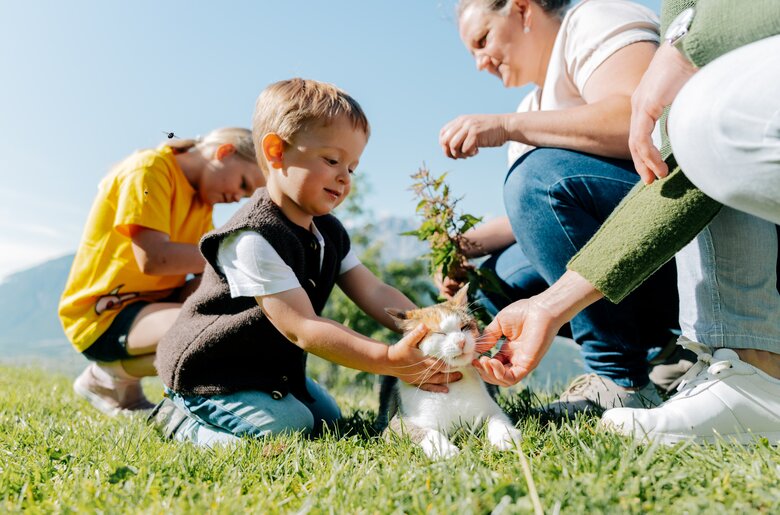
[(461, 342)]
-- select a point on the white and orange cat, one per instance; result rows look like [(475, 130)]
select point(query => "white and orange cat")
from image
[(429, 418)]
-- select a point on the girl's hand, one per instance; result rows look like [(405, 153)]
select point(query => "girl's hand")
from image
[(410, 365), (667, 74), (465, 135)]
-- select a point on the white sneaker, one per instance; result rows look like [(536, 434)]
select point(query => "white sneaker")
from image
[(721, 396), (110, 394)]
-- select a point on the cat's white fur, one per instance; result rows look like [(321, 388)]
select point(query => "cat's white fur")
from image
[(467, 402)]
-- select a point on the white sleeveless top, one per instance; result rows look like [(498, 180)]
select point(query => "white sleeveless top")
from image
[(591, 32)]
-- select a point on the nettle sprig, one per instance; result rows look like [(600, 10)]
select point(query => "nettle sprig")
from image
[(443, 228)]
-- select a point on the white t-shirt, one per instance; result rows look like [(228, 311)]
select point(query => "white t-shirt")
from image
[(590, 33), (253, 268)]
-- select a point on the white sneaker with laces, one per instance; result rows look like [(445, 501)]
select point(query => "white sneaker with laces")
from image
[(110, 394), (721, 396)]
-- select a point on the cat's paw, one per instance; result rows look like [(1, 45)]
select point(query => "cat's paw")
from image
[(438, 452), (437, 447), (503, 436)]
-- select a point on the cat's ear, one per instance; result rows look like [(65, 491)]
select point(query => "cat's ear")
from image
[(461, 298), (398, 315)]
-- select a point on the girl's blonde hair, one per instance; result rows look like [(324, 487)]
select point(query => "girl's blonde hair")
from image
[(289, 106), (239, 137)]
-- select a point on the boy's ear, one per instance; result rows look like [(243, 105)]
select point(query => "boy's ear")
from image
[(224, 150), (398, 316), (273, 149), (462, 297)]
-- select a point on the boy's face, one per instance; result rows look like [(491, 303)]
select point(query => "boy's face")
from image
[(316, 169)]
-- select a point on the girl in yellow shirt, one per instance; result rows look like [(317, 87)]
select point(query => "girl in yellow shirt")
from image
[(129, 276)]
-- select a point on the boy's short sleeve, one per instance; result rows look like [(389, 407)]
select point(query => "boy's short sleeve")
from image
[(252, 267), (349, 262), (144, 198)]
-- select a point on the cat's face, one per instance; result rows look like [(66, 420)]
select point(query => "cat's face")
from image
[(452, 331)]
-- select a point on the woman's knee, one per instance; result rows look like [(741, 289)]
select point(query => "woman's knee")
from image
[(528, 181)]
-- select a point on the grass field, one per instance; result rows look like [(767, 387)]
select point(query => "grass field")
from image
[(57, 454)]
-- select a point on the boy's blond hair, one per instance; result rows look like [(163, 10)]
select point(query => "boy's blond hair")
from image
[(289, 106)]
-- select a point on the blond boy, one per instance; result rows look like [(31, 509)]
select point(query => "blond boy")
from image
[(234, 362)]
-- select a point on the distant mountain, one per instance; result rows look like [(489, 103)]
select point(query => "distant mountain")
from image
[(28, 308), (395, 247)]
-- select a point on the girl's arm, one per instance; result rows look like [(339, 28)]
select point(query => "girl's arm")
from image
[(292, 314), (156, 254), (598, 127), (372, 295)]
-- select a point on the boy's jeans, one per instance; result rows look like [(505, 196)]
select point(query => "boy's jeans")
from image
[(556, 200), (221, 419)]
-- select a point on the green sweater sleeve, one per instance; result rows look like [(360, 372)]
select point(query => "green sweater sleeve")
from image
[(720, 26), (643, 232)]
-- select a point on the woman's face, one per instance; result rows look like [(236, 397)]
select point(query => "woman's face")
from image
[(498, 43)]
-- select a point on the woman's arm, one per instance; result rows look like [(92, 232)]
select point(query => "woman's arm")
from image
[(599, 127), (486, 238), (156, 254)]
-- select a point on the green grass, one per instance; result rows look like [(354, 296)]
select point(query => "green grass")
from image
[(57, 454)]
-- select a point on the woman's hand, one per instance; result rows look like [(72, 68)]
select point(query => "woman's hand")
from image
[(410, 365), (529, 326), (465, 135), (529, 329), (667, 74)]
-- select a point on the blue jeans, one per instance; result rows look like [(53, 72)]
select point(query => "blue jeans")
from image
[(219, 419), (556, 200), (728, 284)]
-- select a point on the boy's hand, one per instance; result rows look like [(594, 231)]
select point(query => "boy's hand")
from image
[(410, 365)]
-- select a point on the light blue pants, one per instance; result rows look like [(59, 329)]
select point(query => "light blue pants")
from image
[(724, 128), (221, 419)]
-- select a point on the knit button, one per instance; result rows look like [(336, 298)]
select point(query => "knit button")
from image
[(313, 283), (314, 245), (284, 379), (276, 395)]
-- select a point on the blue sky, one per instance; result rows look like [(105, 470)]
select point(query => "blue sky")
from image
[(87, 82)]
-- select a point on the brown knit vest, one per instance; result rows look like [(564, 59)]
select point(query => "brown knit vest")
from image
[(222, 345)]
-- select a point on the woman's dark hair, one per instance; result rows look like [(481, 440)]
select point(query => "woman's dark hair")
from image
[(552, 7)]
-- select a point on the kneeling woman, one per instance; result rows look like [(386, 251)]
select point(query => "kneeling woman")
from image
[(569, 168)]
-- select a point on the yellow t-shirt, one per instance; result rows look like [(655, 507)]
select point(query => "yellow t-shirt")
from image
[(147, 189)]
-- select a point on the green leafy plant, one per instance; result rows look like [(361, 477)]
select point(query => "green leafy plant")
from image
[(443, 227)]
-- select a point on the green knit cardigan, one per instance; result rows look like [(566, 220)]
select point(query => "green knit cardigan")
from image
[(654, 222)]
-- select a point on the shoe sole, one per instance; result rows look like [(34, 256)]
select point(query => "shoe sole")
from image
[(96, 400), (739, 438), (672, 439)]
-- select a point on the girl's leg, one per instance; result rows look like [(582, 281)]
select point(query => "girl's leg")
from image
[(556, 200), (149, 326)]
